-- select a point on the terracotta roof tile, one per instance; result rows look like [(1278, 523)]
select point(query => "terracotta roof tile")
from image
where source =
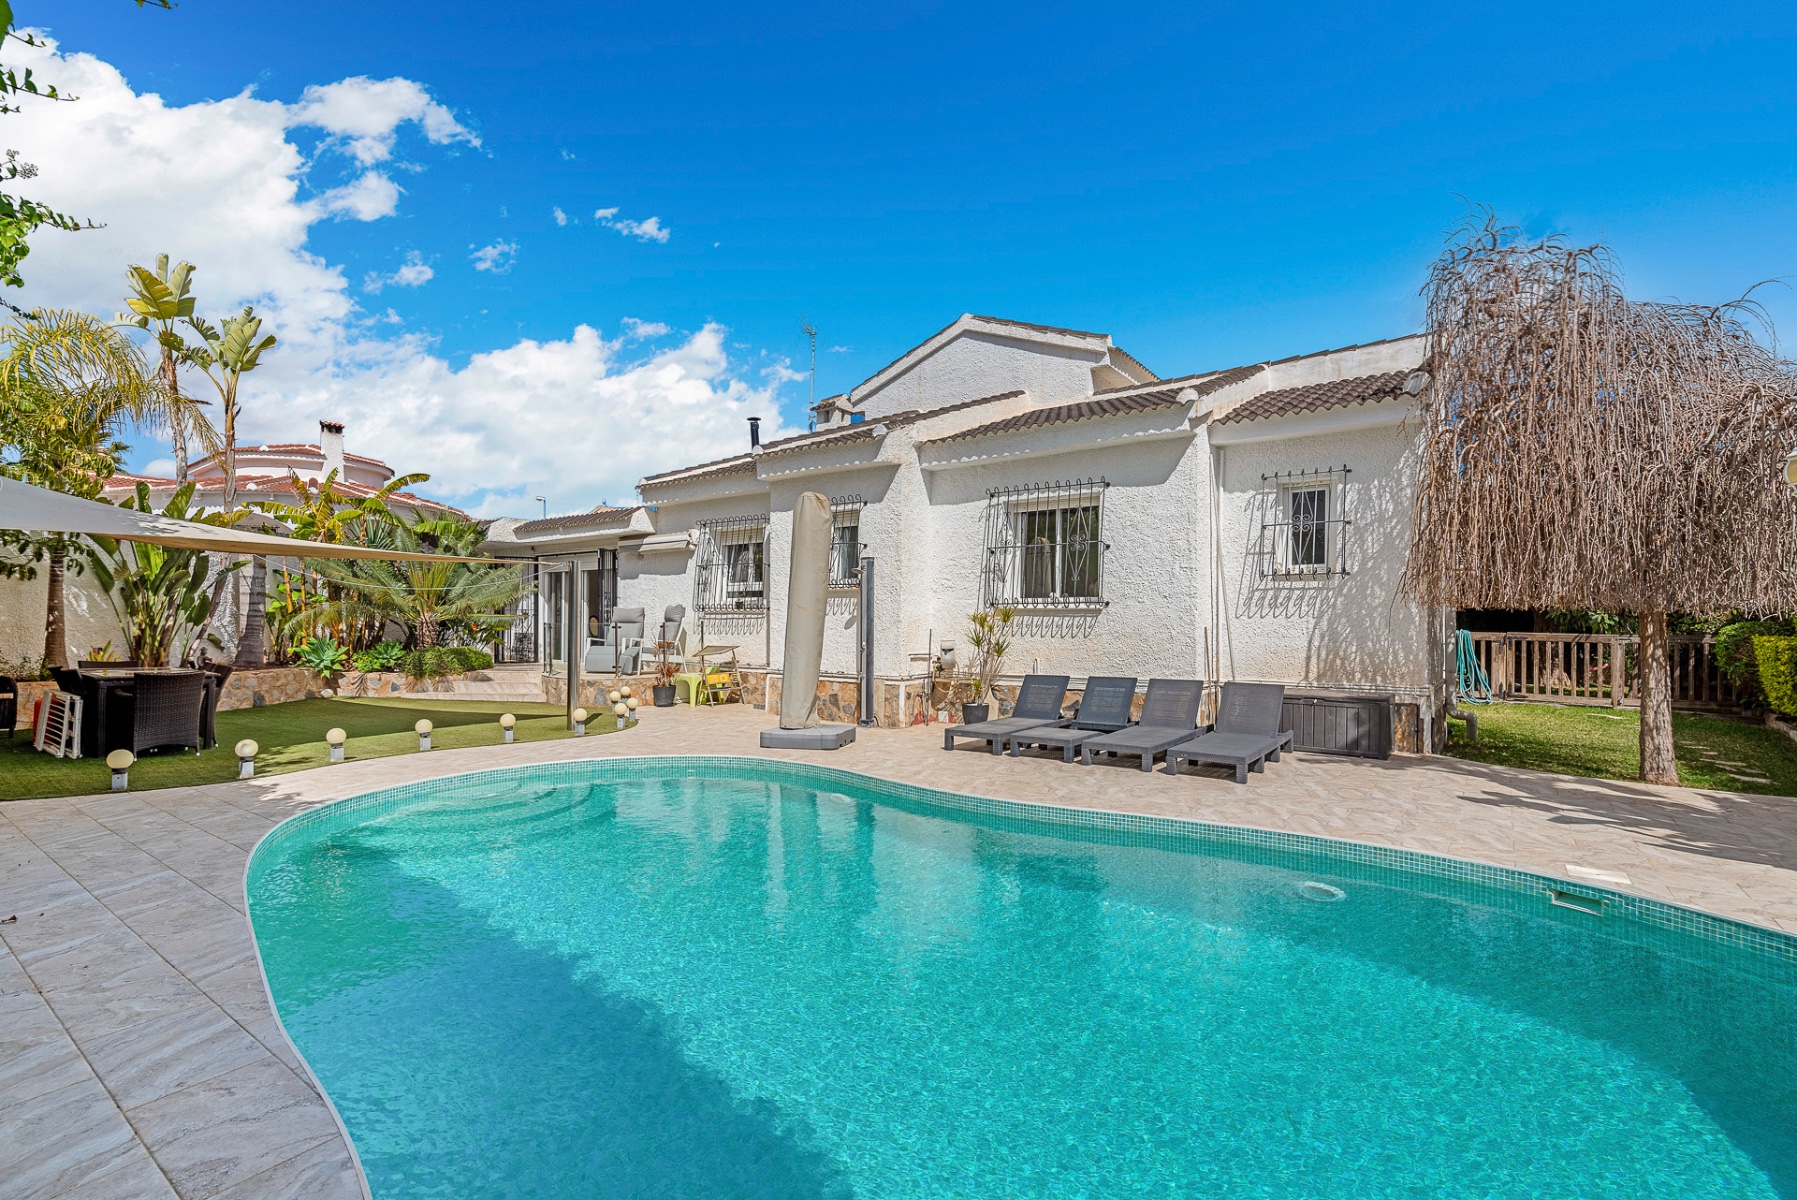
[(597, 516), (1085, 410), (713, 470), (1315, 397)]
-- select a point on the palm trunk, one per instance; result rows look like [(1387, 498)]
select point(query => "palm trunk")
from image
[(252, 646), (1659, 762), (180, 448), (427, 630), (56, 631)]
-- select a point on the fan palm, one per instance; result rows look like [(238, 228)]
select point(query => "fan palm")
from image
[(429, 598), (69, 385)]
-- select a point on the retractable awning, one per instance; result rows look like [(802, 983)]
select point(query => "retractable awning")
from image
[(39, 510)]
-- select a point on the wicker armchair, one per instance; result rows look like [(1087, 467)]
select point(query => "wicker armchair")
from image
[(9, 704), (167, 710), (68, 679)]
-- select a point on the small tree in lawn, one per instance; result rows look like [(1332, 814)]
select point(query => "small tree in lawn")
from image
[(1586, 451)]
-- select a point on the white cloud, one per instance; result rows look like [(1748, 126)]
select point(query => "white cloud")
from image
[(497, 258), (642, 331), (561, 218), (368, 198), (650, 230), (367, 113), (839, 350), (217, 183), (413, 272)]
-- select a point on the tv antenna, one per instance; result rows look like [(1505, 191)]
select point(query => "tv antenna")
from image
[(810, 331)]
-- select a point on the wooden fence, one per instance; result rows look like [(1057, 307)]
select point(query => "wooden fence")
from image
[(1579, 668)]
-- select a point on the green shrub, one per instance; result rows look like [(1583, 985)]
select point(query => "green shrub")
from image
[(439, 661), (323, 655), (384, 656), (1777, 659), (1734, 655)]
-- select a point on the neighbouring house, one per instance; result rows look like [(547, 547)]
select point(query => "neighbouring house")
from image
[(264, 473), (1248, 523)]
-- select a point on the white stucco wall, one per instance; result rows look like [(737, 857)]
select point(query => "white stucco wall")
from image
[(977, 364), (1351, 632), (89, 617)]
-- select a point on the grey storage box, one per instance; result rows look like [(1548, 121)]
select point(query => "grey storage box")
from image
[(1332, 723)]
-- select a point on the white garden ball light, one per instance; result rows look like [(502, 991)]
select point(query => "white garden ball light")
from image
[(614, 695), (423, 730), (620, 712), (506, 724), (580, 722), (246, 758), (334, 738), (120, 761)]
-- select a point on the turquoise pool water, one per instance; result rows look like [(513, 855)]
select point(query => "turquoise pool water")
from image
[(713, 978)]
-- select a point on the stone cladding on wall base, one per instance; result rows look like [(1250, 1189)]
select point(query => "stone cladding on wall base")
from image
[(259, 686)]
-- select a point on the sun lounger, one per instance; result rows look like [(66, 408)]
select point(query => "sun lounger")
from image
[(1169, 716), (1038, 703), (1103, 708), (1247, 731)]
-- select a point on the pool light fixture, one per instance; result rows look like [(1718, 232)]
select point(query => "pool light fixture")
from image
[(246, 758), (506, 723), (423, 730), (120, 761), (580, 722), (334, 738)]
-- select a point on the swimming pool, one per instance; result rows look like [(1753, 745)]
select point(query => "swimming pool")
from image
[(722, 977)]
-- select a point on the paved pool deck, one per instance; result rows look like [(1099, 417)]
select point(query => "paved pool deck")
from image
[(139, 1056)]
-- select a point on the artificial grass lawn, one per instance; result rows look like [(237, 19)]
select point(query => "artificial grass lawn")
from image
[(1605, 743), (291, 737)]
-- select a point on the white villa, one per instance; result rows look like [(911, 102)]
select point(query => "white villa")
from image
[(1249, 523)]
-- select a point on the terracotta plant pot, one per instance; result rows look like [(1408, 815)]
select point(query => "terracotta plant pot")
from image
[(974, 714), (664, 695)]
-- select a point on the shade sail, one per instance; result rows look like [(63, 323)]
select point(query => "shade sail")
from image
[(39, 510)]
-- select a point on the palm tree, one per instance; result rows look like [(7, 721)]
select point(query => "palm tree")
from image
[(69, 385), (324, 514), (429, 598), (230, 352), (157, 301)]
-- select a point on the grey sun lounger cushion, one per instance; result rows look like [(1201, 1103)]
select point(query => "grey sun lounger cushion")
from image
[(1247, 734), (1038, 703), (1169, 716), (1103, 708)]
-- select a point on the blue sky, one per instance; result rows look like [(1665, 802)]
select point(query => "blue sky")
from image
[(1211, 184)]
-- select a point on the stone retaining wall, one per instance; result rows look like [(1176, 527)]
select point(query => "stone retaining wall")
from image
[(260, 686)]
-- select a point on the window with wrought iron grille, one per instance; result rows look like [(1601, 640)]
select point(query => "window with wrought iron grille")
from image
[(845, 541), (731, 573), (1045, 545), (1304, 522)]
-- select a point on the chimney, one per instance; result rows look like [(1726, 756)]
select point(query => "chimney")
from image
[(754, 433), (330, 440)]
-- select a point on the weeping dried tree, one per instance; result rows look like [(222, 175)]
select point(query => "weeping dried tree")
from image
[(1582, 450)]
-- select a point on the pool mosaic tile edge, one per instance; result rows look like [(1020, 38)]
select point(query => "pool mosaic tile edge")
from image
[(1624, 914)]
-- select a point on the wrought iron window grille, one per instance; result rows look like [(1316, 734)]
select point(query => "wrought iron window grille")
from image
[(1044, 546), (846, 546), (731, 571), (1304, 522)]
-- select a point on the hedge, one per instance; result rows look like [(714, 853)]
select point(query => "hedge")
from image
[(1777, 659), (439, 661)]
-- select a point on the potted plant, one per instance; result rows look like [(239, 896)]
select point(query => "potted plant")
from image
[(663, 687), (989, 637)]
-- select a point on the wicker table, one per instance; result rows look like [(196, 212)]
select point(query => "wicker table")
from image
[(102, 682)]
